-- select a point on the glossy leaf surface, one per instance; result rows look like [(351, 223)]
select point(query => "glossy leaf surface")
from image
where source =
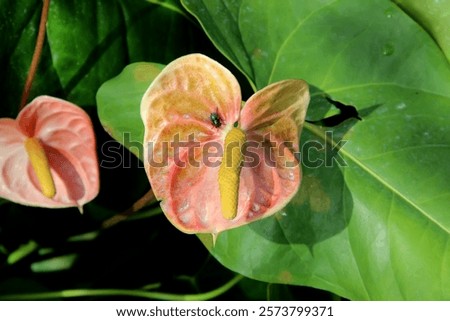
[(434, 17), (372, 212)]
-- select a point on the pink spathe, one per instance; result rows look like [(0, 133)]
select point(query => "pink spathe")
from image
[(177, 107), (66, 135)]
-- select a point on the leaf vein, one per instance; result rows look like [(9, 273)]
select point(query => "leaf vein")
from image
[(289, 36)]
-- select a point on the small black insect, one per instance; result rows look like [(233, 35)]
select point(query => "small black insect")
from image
[(215, 120)]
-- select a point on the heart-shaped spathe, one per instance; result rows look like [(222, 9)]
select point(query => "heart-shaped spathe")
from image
[(189, 111), (53, 133)]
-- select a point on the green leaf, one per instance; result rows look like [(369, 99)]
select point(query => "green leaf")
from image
[(19, 29), (220, 18), (23, 251), (94, 54), (54, 264), (119, 102), (434, 17), (371, 218), (87, 42)]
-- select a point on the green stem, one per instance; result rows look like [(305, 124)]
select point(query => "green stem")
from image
[(123, 292)]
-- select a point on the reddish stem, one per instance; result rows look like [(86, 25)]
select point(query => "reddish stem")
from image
[(36, 55), (139, 204)]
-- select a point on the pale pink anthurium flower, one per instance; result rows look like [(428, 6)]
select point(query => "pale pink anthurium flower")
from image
[(214, 162), (48, 155)]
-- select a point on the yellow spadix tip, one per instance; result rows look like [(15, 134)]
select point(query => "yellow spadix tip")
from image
[(39, 162), (229, 172)]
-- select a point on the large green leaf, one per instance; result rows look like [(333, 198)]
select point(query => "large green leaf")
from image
[(371, 220), (87, 42), (94, 54), (433, 16), (19, 22), (109, 35)]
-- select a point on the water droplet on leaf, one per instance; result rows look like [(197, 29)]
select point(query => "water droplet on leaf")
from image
[(388, 13), (402, 105)]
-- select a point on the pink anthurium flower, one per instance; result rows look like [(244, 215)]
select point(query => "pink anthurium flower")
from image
[(213, 164), (48, 155)]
